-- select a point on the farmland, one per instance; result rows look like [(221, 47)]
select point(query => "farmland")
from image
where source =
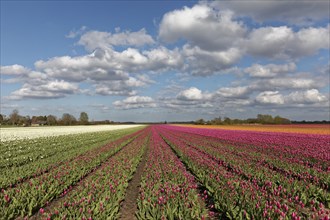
[(302, 128), (13, 133), (166, 172)]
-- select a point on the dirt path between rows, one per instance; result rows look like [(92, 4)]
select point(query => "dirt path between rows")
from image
[(129, 205)]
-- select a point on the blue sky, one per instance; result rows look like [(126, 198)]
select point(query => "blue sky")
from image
[(165, 60)]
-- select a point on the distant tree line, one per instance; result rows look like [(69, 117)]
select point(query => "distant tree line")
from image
[(310, 122), (15, 119), (260, 119)]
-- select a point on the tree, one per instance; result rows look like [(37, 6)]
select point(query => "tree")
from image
[(200, 122), (265, 119), (280, 120), (14, 117), (68, 119), (51, 120), (1, 118), (216, 121), (83, 118), (26, 121), (227, 121)]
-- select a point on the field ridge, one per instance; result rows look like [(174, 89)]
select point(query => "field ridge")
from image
[(129, 204)]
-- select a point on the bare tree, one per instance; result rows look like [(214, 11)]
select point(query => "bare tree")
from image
[(68, 119), (51, 120), (14, 117)]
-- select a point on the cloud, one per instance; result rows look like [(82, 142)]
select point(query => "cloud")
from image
[(283, 43), (269, 70), (228, 40), (74, 33), (306, 97), (108, 64), (204, 54), (203, 63), (193, 94), (234, 92), (131, 59), (97, 39), (270, 97), (52, 89), (179, 105), (296, 98), (280, 77), (199, 41), (309, 40), (135, 102), (295, 12), (95, 66), (100, 107), (186, 100), (9, 106), (192, 24), (325, 70), (14, 70), (106, 70), (120, 87), (254, 95), (163, 59), (292, 83), (194, 100)]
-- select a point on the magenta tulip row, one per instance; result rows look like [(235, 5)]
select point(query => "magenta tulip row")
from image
[(168, 190), (99, 195), (286, 144), (240, 187)]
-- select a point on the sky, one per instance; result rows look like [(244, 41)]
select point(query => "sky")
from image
[(166, 60)]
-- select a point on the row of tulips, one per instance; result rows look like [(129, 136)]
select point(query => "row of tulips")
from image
[(14, 152), (27, 197), (168, 190), (294, 165), (239, 195), (99, 195), (296, 147), (24, 159), (245, 165)]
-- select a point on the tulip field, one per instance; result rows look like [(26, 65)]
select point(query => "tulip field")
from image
[(177, 172)]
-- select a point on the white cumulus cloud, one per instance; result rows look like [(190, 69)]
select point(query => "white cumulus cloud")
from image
[(203, 63), (295, 12), (134, 102), (270, 97), (193, 94), (292, 83), (283, 43), (202, 26), (234, 92), (14, 70), (98, 39), (269, 70), (51, 89), (308, 96)]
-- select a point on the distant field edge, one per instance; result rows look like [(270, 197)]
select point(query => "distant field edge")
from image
[(323, 129), (18, 133)]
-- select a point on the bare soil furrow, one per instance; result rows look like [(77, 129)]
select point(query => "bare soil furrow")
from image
[(129, 205)]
